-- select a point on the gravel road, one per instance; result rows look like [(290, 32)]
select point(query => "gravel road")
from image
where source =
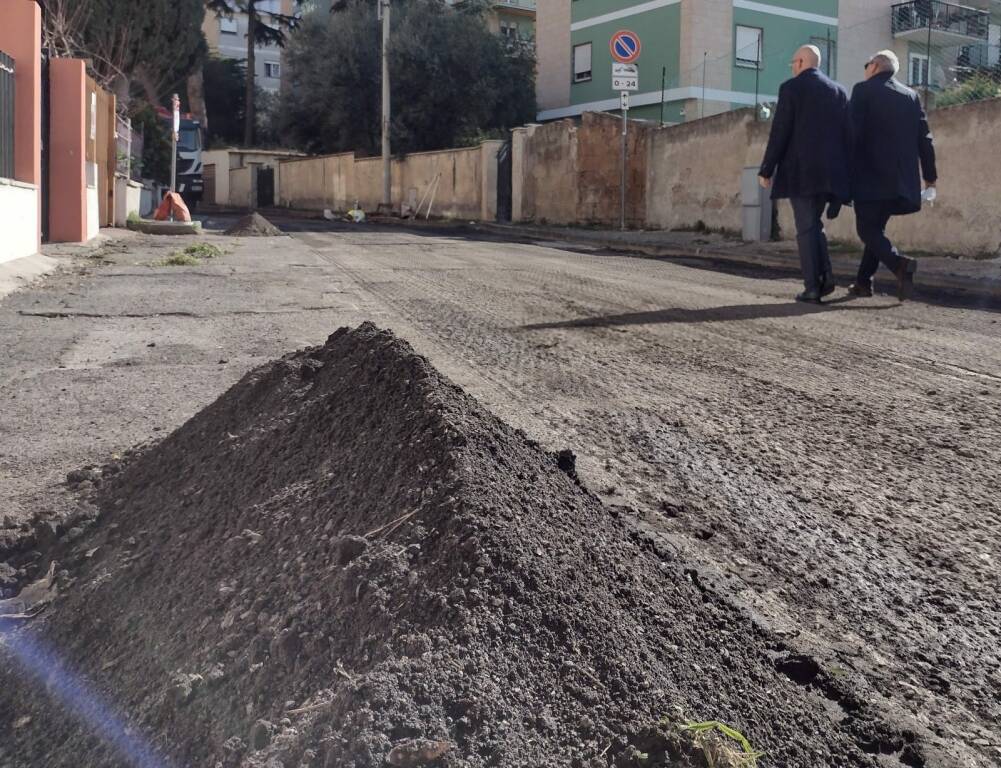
[(833, 471)]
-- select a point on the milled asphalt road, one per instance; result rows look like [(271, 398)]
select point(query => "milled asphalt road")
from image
[(833, 470)]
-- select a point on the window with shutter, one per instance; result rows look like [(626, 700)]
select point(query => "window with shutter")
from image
[(582, 63), (748, 46)]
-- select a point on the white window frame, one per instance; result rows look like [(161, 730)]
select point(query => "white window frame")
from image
[(580, 73), (739, 58), (273, 70), (925, 64), (228, 26)]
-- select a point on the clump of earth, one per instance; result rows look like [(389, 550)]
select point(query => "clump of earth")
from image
[(347, 561), (253, 225)]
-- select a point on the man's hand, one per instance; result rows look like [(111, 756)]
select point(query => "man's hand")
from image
[(765, 183)]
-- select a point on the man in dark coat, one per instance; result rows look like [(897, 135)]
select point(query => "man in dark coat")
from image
[(807, 161), (892, 139)]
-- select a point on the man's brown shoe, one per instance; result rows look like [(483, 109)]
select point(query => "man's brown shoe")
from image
[(905, 277), (861, 290)]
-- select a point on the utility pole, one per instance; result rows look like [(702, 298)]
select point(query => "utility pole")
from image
[(927, 74), (250, 118), (705, 65), (387, 169), (663, 89), (830, 64)]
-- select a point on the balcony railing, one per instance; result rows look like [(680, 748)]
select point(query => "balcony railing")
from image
[(944, 22), (528, 5), (981, 57)]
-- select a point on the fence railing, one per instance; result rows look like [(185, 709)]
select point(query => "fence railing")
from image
[(981, 57), (934, 15), (6, 116)]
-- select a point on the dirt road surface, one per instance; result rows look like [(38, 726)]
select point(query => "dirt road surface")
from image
[(834, 471)]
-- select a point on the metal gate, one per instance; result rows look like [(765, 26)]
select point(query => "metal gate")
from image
[(265, 187), (208, 177), (505, 170), (44, 186), (6, 116)]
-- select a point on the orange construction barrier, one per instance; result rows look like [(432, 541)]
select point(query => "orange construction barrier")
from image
[(172, 203)]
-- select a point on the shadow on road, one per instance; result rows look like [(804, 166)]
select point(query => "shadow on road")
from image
[(734, 313)]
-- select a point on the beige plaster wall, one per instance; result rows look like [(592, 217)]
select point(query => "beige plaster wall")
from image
[(241, 187), (552, 34), (695, 168), (694, 175), (706, 27), (459, 179)]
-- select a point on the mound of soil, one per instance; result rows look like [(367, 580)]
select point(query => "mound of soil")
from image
[(346, 561), (254, 225)]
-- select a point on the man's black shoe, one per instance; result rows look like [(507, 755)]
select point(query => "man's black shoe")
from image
[(809, 297), (861, 290), (905, 277), (827, 285)]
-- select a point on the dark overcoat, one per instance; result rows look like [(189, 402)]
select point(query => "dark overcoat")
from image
[(892, 142), (809, 149)]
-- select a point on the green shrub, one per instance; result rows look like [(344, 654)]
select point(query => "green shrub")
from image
[(980, 87)]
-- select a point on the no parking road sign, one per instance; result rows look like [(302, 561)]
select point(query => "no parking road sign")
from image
[(625, 46)]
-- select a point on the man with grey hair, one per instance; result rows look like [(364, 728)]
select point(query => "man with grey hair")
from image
[(807, 161), (892, 141)]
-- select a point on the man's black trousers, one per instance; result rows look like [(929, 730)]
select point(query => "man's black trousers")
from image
[(811, 239), (870, 222)]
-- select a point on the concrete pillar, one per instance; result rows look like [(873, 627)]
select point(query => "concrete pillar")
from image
[(21, 38), (519, 138), (68, 151)]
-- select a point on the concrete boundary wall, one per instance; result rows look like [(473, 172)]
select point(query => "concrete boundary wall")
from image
[(568, 173), (18, 214), (694, 175), (462, 181)]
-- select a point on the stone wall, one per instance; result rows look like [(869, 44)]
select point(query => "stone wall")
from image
[(565, 173)]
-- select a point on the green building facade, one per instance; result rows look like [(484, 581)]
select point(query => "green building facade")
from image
[(734, 53), (703, 57)]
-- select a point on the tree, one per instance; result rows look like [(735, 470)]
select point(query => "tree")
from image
[(264, 27), (453, 81), (225, 99), (155, 43)]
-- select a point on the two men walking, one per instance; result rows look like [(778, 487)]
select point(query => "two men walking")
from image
[(826, 150)]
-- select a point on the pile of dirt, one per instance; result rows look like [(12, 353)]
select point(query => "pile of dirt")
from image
[(346, 561), (254, 225)]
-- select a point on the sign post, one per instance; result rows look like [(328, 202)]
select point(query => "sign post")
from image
[(176, 105), (387, 168), (626, 48)]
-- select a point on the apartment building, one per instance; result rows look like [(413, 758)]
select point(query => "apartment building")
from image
[(514, 19), (227, 39), (702, 57)]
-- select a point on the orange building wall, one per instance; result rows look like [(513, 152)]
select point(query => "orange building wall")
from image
[(21, 38), (67, 173)]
